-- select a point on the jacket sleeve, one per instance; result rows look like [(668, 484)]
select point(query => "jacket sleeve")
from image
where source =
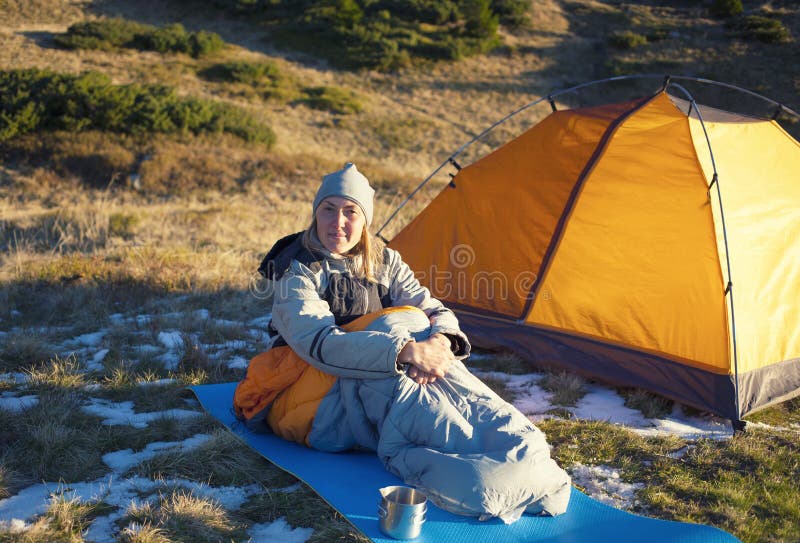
[(405, 289), (305, 322)]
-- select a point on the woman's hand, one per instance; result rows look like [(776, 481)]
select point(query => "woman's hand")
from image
[(429, 358), (420, 377)]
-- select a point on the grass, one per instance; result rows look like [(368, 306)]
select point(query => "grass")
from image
[(120, 33), (41, 100), (566, 388)]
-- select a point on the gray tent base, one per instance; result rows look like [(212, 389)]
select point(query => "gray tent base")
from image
[(627, 367)]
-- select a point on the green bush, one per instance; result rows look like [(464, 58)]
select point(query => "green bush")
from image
[(42, 100), (333, 99), (249, 73), (385, 34), (513, 13), (263, 77), (626, 40), (120, 33), (726, 8), (758, 27), (106, 34)]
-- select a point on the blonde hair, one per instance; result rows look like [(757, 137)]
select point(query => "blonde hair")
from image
[(369, 248)]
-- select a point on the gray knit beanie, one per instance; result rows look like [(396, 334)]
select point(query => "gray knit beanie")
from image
[(347, 183)]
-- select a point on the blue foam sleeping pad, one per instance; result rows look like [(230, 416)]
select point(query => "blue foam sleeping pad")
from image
[(349, 482)]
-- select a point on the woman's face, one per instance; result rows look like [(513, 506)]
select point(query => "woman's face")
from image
[(340, 223)]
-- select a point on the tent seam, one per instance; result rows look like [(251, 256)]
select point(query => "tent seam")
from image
[(577, 189)]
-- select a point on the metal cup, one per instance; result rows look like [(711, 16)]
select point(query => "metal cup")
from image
[(402, 511)]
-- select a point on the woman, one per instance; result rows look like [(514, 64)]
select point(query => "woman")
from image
[(365, 357)]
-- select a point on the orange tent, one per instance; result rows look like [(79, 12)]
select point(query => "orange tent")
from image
[(610, 241)]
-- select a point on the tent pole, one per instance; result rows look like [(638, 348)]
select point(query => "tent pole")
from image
[(729, 287), (667, 81)]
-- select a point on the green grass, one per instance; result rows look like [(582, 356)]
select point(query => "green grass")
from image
[(566, 388), (651, 405), (109, 34), (385, 35), (333, 99), (40, 100), (726, 8), (759, 27), (626, 39), (743, 485), (182, 516)]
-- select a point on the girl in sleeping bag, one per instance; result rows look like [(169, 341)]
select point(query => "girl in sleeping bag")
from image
[(364, 357)]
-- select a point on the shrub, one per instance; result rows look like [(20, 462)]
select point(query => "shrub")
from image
[(626, 40), (264, 77), (385, 34), (204, 43), (105, 34), (513, 13), (249, 73), (120, 33), (764, 29), (333, 99), (726, 8), (43, 100)]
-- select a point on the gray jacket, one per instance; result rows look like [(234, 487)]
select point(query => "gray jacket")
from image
[(306, 322)]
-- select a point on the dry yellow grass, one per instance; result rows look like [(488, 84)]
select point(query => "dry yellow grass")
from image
[(209, 207)]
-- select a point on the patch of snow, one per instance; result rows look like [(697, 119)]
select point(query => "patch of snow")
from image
[(17, 404), (601, 403), (158, 382), (170, 360), (237, 363), (95, 363), (146, 348), (227, 322), (122, 414), (279, 531), (15, 313), (680, 453), (122, 461), (90, 340), (116, 492), (141, 320), (14, 526), (604, 484), (201, 314), (258, 335), (171, 339)]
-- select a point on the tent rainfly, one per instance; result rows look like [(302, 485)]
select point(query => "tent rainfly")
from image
[(653, 243)]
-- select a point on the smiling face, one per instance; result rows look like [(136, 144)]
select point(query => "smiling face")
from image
[(340, 223)]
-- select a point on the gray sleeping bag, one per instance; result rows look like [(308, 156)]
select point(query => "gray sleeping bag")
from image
[(470, 451)]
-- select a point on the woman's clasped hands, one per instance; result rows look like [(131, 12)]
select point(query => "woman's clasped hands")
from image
[(427, 359)]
